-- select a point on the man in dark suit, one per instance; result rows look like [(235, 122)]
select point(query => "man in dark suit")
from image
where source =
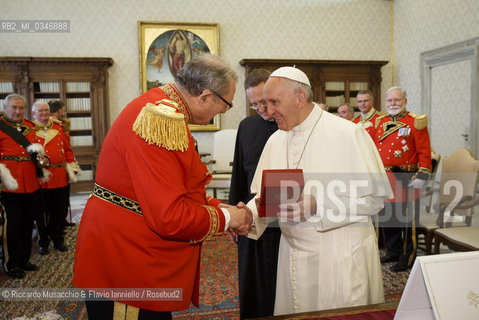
[(257, 259)]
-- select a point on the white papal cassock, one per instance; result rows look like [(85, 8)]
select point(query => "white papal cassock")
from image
[(327, 262)]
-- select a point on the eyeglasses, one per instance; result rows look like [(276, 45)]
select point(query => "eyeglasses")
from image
[(230, 105), (256, 106)]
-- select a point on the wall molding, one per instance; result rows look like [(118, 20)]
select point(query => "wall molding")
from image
[(467, 50)]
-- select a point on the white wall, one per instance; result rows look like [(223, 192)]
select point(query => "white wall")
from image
[(274, 29), (300, 29), (425, 25)]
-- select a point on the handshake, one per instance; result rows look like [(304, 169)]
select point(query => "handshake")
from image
[(241, 218)]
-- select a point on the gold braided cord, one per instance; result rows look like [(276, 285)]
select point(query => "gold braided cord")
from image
[(161, 125)]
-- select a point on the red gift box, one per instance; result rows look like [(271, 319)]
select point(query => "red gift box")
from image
[(279, 186)]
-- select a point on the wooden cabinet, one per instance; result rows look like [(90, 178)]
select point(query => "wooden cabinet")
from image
[(332, 81), (82, 84)]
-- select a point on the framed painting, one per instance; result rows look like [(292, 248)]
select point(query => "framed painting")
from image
[(165, 47)]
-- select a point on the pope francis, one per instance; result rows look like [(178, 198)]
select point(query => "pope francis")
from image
[(328, 256)]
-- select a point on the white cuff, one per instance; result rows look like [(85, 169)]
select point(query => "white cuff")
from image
[(227, 218)]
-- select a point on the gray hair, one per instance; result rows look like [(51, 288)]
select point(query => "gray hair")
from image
[(38, 103), (298, 86), (14, 96), (403, 91), (350, 108), (206, 71), (369, 92)]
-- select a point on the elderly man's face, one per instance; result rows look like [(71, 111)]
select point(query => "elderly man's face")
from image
[(15, 110), (395, 103), (282, 102), (343, 112), (365, 103), (211, 105), (41, 113)]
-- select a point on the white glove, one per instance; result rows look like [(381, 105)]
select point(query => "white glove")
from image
[(417, 183)]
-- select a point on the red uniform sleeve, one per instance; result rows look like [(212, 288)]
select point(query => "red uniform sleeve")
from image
[(169, 186), (423, 149)]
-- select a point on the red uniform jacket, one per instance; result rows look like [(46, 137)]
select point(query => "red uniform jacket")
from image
[(368, 121), (57, 146), (22, 169), (117, 248), (403, 144)]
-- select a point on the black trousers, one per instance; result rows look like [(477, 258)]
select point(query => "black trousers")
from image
[(105, 310), (68, 205), (398, 221), (20, 211), (257, 269), (55, 204)]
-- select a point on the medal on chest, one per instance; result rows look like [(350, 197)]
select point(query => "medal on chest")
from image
[(404, 132)]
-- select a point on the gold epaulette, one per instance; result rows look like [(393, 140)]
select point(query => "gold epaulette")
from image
[(56, 121), (65, 123), (381, 114), (378, 120), (420, 120), (163, 126)]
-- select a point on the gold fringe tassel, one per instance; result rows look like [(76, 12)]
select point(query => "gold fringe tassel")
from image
[(420, 121), (163, 126)]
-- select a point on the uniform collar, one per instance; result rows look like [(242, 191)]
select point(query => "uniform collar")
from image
[(11, 123), (174, 94), (368, 116), (399, 116), (45, 126)]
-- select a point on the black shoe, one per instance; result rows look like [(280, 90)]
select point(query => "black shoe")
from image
[(43, 251), (61, 247), (69, 224), (387, 259), (30, 267), (399, 267), (16, 273)]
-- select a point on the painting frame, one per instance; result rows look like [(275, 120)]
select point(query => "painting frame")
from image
[(158, 59)]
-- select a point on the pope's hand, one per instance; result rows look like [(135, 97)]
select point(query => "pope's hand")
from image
[(417, 183), (298, 211)]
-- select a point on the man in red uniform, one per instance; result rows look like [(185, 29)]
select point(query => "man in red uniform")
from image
[(22, 204), (403, 142), (149, 214), (63, 167), (58, 113), (369, 114)]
